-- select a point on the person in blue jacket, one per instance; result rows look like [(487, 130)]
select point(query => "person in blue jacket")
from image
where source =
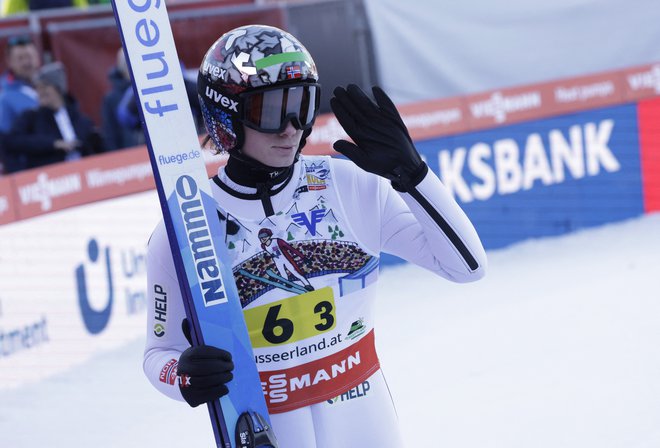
[(17, 93), (57, 130)]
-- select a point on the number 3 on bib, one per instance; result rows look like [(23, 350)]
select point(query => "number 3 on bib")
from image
[(292, 319)]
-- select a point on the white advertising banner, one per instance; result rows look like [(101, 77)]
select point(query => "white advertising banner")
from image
[(73, 284)]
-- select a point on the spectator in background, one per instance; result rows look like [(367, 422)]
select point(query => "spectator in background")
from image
[(17, 92), (116, 134), (15, 6), (57, 130)]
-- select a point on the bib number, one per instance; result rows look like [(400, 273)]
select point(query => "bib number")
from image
[(292, 319)]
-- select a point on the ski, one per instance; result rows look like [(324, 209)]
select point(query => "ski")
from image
[(210, 295), (286, 281), (288, 286)]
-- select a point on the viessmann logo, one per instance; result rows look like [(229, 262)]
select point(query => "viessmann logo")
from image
[(498, 106), (45, 189), (321, 379), (278, 387), (649, 79)]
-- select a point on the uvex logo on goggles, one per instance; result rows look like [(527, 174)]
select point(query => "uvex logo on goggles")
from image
[(269, 110), (219, 98)]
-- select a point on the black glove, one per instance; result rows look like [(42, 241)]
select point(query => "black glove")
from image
[(382, 143), (203, 372)]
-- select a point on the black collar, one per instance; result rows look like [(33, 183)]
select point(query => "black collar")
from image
[(251, 175), (261, 178)]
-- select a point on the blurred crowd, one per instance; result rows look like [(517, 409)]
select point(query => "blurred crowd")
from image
[(8, 7), (41, 122)]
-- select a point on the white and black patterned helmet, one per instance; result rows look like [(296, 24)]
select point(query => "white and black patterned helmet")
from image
[(257, 76)]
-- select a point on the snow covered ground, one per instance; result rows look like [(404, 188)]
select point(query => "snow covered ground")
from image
[(559, 346)]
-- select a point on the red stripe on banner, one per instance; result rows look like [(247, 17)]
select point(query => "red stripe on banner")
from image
[(320, 380), (649, 137), (7, 205)]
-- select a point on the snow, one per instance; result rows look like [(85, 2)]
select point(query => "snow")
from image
[(556, 347)]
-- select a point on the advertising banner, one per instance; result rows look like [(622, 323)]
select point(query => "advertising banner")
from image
[(73, 285), (544, 177), (7, 206), (73, 282), (91, 179), (642, 82)]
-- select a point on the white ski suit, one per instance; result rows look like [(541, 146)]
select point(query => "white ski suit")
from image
[(322, 381)]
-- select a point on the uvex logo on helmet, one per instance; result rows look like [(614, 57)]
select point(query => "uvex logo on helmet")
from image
[(221, 99), (214, 71)]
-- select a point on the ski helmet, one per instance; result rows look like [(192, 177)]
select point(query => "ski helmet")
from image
[(265, 233), (257, 76)]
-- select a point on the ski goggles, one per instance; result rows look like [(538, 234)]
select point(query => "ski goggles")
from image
[(269, 110)]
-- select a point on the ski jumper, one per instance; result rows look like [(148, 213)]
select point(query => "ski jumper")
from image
[(315, 347), (283, 255)]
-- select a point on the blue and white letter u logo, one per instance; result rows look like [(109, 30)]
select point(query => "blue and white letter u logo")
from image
[(95, 321)]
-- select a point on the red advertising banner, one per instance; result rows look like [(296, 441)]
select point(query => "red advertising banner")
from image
[(91, 179), (518, 104), (55, 187), (7, 206), (427, 119), (435, 118), (641, 82), (325, 132), (587, 92), (506, 106), (88, 180)]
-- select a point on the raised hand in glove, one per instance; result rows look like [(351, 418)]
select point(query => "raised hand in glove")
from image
[(203, 372), (382, 143)]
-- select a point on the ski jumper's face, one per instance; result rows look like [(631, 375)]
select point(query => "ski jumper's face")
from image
[(265, 240), (277, 150)]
